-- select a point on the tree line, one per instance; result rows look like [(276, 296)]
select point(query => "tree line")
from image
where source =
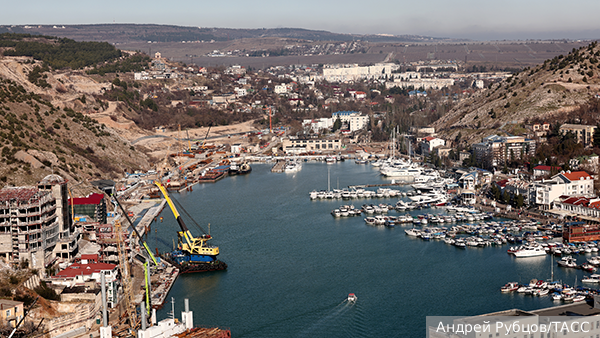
[(59, 53)]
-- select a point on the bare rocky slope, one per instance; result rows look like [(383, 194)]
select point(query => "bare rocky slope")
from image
[(60, 129), (547, 92)]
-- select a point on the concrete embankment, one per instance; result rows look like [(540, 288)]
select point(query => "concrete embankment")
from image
[(149, 216)]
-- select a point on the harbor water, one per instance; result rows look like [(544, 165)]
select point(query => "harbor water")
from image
[(291, 265)]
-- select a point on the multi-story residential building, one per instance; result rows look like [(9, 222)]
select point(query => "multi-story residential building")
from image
[(495, 150), (317, 125), (425, 83), (302, 145), (577, 183), (280, 89), (33, 220), (239, 92), (343, 73), (355, 120), (583, 133)]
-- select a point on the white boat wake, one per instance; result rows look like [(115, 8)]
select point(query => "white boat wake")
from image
[(339, 321)]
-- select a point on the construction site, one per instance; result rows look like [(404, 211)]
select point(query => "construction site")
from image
[(77, 273)]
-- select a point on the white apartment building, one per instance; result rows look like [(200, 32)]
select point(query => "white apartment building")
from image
[(239, 92), (302, 145), (280, 89), (317, 125), (355, 120), (425, 83), (577, 183), (346, 72)]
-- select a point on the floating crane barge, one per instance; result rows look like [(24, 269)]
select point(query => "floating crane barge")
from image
[(192, 253)]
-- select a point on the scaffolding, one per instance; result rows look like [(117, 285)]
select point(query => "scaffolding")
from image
[(128, 302)]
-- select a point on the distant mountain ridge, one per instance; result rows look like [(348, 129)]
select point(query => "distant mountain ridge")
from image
[(169, 33)]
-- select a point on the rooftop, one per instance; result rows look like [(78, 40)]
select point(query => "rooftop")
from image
[(574, 309), (80, 289), (90, 199), (577, 175), (20, 194), (6, 303), (78, 269)]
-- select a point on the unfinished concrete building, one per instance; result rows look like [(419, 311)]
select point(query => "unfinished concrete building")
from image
[(32, 221)]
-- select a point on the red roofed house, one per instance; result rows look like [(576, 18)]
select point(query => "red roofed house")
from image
[(360, 95), (429, 143), (577, 183), (579, 206), (88, 268), (93, 206), (545, 170)]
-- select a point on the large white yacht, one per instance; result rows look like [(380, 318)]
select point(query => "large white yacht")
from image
[(292, 166), (530, 251)]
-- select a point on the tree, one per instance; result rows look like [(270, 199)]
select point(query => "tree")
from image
[(506, 197), (520, 200), (337, 124), (597, 137), (496, 192)]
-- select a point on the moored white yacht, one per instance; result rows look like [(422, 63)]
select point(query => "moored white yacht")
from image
[(530, 251)]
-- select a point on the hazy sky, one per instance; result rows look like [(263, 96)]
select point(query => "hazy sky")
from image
[(481, 19)]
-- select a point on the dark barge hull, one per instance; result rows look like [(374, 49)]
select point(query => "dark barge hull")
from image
[(198, 267)]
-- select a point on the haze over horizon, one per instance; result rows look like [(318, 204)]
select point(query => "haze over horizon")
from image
[(467, 19)]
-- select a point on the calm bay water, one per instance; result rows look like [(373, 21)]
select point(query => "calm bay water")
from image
[(291, 265)]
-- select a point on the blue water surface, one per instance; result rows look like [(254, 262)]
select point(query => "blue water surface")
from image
[(291, 264)]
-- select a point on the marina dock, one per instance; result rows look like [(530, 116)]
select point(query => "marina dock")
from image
[(278, 167), (162, 282), (379, 185)]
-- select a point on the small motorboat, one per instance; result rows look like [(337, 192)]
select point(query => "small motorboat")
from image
[(509, 287), (352, 297)]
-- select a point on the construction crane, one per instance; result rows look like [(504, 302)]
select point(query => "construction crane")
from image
[(193, 248), (144, 244), (202, 147)]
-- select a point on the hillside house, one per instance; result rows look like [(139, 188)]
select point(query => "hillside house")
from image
[(545, 170), (11, 312), (429, 143), (584, 134)]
